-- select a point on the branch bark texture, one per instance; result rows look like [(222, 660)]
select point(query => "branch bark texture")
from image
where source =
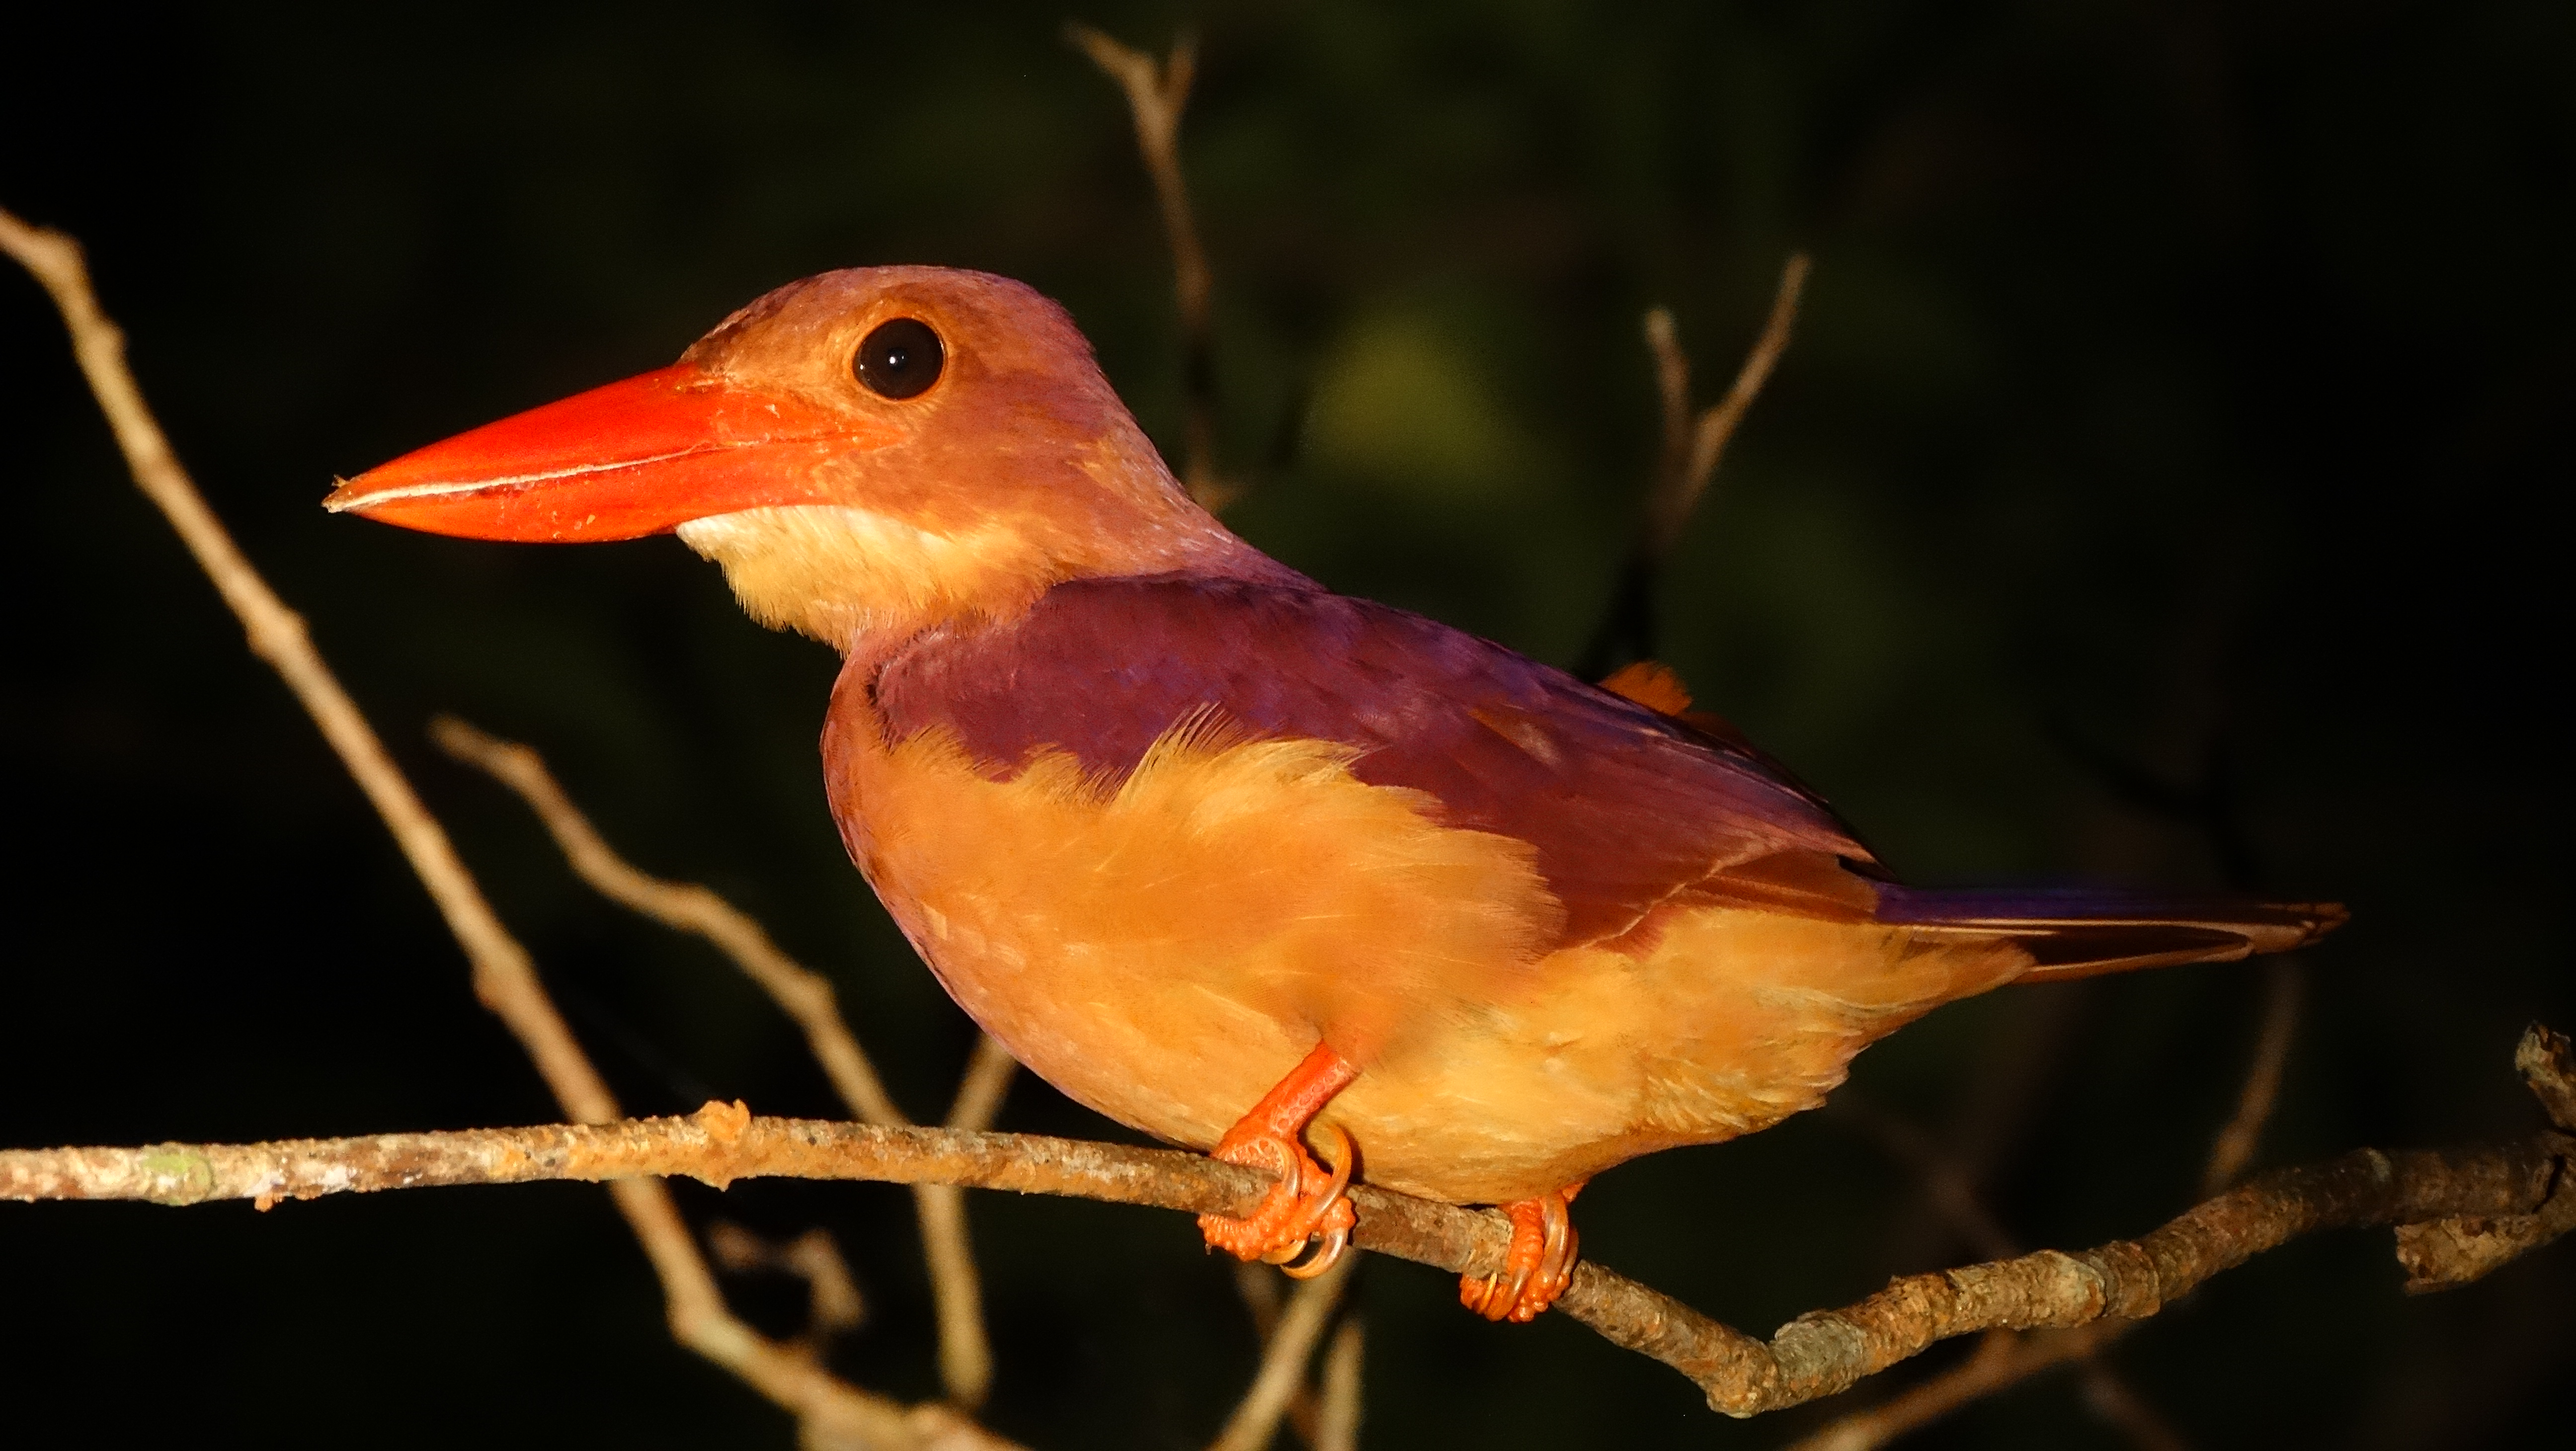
[(1815, 1355)]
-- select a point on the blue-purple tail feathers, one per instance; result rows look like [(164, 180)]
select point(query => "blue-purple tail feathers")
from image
[(2076, 932)]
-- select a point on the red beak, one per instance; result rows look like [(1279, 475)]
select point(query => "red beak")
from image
[(634, 458)]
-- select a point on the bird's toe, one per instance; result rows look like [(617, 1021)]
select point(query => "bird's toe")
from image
[(1537, 1268), (1309, 1202)]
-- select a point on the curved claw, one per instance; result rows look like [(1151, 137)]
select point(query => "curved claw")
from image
[(1538, 1267), (1306, 1202), (1326, 1254), (1336, 1231)]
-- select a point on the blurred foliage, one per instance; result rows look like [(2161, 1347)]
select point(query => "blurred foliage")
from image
[(2183, 380)]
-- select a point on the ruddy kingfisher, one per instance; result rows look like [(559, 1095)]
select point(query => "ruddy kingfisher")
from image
[(1232, 858)]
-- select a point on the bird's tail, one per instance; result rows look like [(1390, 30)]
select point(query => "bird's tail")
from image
[(2080, 932)]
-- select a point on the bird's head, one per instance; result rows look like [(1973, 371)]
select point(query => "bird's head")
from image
[(876, 449)]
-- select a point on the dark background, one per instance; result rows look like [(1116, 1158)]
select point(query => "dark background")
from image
[(2182, 382)]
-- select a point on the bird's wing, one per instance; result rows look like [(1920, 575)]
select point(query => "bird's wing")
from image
[(1626, 808)]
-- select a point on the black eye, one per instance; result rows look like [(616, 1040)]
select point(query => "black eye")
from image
[(900, 358)]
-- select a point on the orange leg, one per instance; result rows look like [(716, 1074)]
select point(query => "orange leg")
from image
[(1539, 1266), (1307, 1201)]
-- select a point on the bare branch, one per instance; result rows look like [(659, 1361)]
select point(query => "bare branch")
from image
[(1283, 1361), (2454, 1251), (965, 1351), (505, 979), (2001, 1360), (832, 1292), (988, 1078), (805, 994), (956, 1286), (2432, 1253), (1337, 1422), (1259, 1285), (1156, 95), (2243, 1134), (1684, 465), (2444, 1258), (1694, 463), (957, 1294), (1815, 1355), (2547, 1062), (1947, 1182), (2528, 1186), (2113, 1401), (1952, 1188)]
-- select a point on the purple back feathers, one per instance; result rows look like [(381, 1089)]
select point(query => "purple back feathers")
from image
[(1624, 806)]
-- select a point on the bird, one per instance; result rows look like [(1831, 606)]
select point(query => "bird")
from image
[(1300, 880)]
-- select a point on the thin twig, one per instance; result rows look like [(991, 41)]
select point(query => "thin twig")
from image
[(2116, 1403), (1952, 1190), (805, 994), (1283, 1361), (505, 978), (2014, 1360), (833, 1303), (1337, 1421), (956, 1284), (2546, 1059), (2000, 1360), (1817, 1354), (965, 1351), (1680, 491), (957, 1294), (1684, 465), (2237, 1142), (1157, 93), (989, 1071), (1259, 1285), (1947, 1183)]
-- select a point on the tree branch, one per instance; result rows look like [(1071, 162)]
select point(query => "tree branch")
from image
[(833, 1303), (2002, 1359), (1691, 460), (2455, 1251), (1684, 466), (1337, 1420), (505, 979), (1815, 1355), (2005, 1360), (1260, 1286), (2234, 1147), (965, 1351), (805, 995), (1283, 1361), (1156, 96)]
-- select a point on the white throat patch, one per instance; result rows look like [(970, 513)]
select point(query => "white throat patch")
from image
[(835, 572)]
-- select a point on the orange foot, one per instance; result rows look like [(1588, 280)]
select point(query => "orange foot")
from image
[(1538, 1267), (1308, 1201)]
